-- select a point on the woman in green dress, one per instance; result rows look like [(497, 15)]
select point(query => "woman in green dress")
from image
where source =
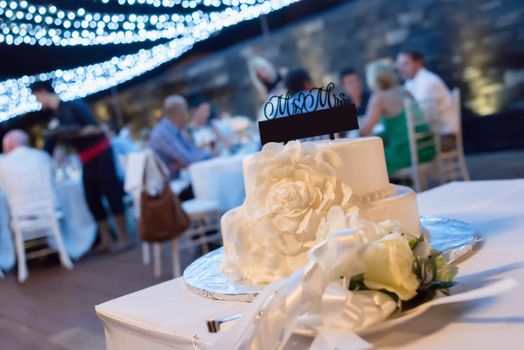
[(386, 105)]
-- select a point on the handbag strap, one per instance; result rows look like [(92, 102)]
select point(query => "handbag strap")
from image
[(160, 166)]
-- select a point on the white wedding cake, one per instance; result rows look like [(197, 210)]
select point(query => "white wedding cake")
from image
[(293, 194)]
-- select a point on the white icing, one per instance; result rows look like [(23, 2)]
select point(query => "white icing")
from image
[(289, 192), (363, 165), (401, 207)]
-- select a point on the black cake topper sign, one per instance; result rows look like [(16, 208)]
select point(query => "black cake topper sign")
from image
[(307, 114)]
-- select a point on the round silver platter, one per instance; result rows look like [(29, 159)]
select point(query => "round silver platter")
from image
[(204, 276)]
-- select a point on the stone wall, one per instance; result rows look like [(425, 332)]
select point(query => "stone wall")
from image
[(477, 45)]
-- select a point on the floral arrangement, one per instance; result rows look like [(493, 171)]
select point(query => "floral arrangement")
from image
[(406, 268), (359, 275)]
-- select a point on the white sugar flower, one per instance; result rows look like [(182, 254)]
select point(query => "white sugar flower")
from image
[(295, 188)]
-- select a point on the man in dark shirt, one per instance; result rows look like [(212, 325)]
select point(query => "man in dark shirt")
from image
[(354, 90), (73, 123)]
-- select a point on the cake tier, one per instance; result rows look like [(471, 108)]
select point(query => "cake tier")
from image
[(401, 207), (290, 193), (251, 256), (363, 165)]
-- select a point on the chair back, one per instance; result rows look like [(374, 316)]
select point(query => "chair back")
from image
[(422, 124), (452, 161), (457, 110), (29, 189), (28, 183)]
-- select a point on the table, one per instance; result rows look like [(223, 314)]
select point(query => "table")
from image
[(220, 179), (168, 316), (78, 227)]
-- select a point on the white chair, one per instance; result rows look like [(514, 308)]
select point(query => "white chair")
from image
[(452, 162), (204, 214), (417, 115), (27, 180), (28, 228), (204, 229)]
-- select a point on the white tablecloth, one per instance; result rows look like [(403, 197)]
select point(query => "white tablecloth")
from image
[(168, 316), (78, 227), (219, 179)]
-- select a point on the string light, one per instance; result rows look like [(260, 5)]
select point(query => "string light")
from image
[(48, 25), (15, 94), (27, 33), (167, 3), (183, 3)]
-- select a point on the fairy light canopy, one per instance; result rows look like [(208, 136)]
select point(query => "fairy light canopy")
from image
[(129, 37), (46, 25), (181, 30)]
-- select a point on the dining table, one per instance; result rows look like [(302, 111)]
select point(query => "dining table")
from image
[(170, 316), (220, 179)]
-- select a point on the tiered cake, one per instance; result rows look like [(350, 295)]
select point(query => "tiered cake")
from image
[(291, 192)]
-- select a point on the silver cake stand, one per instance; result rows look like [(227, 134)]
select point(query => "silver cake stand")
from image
[(204, 277)]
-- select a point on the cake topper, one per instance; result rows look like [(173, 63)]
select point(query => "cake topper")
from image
[(307, 114)]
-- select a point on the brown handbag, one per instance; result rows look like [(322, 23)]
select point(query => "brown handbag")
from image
[(162, 217)]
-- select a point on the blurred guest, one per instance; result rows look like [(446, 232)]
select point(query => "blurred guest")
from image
[(299, 80), (387, 105), (73, 124), (170, 138), (354, 89), (301, 92), (427, 86), (201, 125), (135, 134), (207, 128), (266, 79), (121, 148), (26, 173)]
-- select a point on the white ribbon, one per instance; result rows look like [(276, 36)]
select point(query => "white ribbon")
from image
[(314, 298), (273, 316)]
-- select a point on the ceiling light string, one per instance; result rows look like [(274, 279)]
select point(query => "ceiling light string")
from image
[(23, 23), (16, 97)]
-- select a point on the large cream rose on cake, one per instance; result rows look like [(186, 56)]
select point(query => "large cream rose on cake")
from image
[(295, 187)]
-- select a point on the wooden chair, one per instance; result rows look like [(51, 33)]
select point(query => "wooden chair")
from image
[(418, 115), (452, 162)]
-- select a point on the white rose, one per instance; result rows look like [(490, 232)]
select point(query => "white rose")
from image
[(295, 187), (391, 267)]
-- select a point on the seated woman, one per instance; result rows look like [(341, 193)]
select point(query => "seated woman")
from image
[(208, 131), (387, 105), (200, 127)]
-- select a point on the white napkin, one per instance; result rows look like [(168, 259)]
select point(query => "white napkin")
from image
[(138, 164), (134, 172)]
